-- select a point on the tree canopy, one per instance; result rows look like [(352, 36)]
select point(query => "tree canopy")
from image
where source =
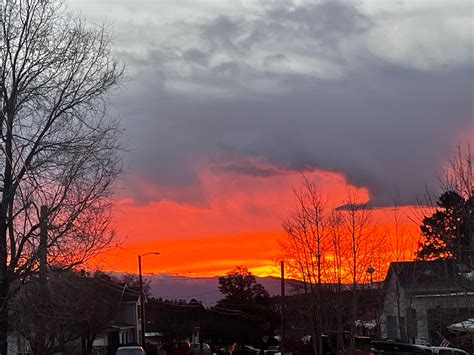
[(240, 287), (448, 231)]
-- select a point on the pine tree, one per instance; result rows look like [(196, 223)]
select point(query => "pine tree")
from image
[(449, 230)]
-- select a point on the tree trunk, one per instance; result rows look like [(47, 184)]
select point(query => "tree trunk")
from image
[(353, 317), (38, 344), (339, 338), (319, 318), (6, 200), (63, 346), (86, 344), (314, 333), (4, 286)]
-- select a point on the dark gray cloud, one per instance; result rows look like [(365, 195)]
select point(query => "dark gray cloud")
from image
[(329, 85), (245, 167)]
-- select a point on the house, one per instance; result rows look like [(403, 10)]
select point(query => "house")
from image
[(125, 328), (422, 298)]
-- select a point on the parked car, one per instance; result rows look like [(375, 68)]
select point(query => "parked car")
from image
[(448, 351), (130, 350), (395, 347), (272, 350)]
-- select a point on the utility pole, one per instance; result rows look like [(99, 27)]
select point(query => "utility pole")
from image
[(43, 246), (41, 334), (142, 296), (282, 309), (142, 302)]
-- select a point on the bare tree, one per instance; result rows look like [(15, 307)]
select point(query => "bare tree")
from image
[(401, 247), (402, 243), (59, 149), (327, 245), (306, 246), (362, 243), (70, 307), (458, 175), (338, 274)]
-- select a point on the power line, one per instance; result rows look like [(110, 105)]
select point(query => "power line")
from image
[(195, 295), (177, 304), (228, 312)]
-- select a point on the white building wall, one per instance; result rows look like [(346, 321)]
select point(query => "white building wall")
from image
[(421, 303)]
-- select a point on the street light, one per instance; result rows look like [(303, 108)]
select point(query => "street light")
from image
[(142, 296), (370, 271)]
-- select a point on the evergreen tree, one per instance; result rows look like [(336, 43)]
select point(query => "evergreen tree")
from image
[(449, 230)]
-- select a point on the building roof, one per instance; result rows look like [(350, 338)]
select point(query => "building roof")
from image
[(430, 277)]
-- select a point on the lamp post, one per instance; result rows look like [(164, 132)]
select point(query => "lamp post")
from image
[(142, 295), (370, 271)]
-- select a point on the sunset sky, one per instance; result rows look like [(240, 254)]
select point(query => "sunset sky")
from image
[(230, 102)]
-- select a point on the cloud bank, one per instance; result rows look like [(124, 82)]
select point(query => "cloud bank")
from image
[(378, 91)]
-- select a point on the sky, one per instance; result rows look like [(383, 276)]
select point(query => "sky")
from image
[(228, 103)]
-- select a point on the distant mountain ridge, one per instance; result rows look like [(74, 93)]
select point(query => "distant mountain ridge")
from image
[(204, 289)]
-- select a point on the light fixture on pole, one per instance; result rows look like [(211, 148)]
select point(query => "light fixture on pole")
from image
[(142, 296), (370, 271)]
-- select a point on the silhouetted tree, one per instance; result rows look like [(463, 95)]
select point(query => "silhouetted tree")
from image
[(306, 248), (174, 318), (69, 307), (448, 228), (363, 243), (240, 287), (326, 244), (58, 148), (246, 304), (448, 231)]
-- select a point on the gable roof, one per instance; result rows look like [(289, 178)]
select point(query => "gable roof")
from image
[(426, 277)]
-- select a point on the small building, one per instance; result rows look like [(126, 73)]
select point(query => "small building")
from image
[(422, 298), (125, 329)]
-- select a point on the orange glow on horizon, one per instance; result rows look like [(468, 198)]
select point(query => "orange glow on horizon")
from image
[(238, 222)]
